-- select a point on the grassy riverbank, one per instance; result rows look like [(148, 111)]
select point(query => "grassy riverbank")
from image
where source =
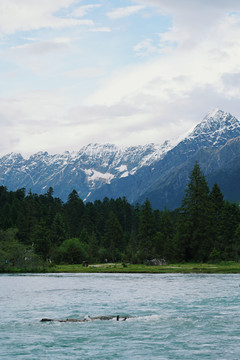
[(222, 268)]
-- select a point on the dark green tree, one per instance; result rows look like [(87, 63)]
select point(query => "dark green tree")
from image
[(194, 236), (58, 230), (216, 205), (6, 217), (146, 231), (74, 211), (113, 237), (230, 221), (217, 200), (237, 244), (41, 240), (84, 236), (163, 241), (93, 248), (72, 251), (50, 192), (14, 255)]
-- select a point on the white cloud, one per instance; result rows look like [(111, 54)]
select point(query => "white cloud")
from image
[(40, 57), (100, 29), (145, 47), (192, 19), (89, 72), (33, 116), (168, 85), (124, 11), (102, 112), (43, 47), (195, 67), (41, 121), (82, 10), (27, 15)]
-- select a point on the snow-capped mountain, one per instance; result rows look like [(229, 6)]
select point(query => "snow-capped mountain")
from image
[(216, 128), (215, 144), (157, 171), (84, 171)]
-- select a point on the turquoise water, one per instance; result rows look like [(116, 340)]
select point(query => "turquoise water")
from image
[(175, 316)]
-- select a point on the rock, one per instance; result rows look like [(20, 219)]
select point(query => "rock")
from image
[(88, 318), (157, 262)]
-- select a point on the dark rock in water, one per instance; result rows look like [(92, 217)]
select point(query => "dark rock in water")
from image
[(63, 320), (88, 318)]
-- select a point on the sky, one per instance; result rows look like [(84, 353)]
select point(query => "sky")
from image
[(127, 72)]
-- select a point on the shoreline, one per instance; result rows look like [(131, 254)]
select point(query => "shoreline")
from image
[(185, 268)]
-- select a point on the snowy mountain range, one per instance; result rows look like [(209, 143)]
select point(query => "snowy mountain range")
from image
[(159, 172)]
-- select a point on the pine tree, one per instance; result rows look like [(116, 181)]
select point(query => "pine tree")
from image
[(41, 240), (146, 231), (217, 204), (193, 238), (74, 210), (28, 218), (230, 221), (217, 200), (237, 243), (50, 192), (164, 237), (113, 237), (93, 248), (58, 230)]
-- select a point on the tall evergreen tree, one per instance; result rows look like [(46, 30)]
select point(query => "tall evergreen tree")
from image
[(58, 230), (194, 239), (41, 240), (237, 244), (228, 231), (217, 200), (74, 210), (217, 204), (146, 230), (113, 237), (164, 237), (93, 248)]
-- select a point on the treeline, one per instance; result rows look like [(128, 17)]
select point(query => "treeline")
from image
[(40, 229)]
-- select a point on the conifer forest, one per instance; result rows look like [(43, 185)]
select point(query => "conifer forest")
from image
[(40, 229)]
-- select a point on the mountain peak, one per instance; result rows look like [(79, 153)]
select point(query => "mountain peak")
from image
[(216, 125), (94, 149), (214, 113), (99, 170)]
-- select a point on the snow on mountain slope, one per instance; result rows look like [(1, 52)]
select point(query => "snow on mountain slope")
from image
[(89, 168), (216, 128), (99, 170), (212, 143), (212, 133)]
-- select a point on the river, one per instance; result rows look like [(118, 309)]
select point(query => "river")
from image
[(175, 316)]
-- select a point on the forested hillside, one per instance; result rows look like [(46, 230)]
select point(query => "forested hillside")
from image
[(36, 230)]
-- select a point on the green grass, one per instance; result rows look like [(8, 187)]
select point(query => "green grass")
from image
[(222, 268)]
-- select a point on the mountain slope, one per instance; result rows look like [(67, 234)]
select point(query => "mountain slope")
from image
[(85, 171), (159, 172), (220, 165), (212, 133)]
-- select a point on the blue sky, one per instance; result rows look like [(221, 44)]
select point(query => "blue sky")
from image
[(127, 72)]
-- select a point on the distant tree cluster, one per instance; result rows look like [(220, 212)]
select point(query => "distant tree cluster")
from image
[(37, 229)]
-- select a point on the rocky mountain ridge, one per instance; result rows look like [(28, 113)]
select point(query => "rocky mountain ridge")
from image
[(159, 171), (172, 170), (85, 170)]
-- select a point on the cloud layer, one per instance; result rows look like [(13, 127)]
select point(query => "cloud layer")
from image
[(74, 72)]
